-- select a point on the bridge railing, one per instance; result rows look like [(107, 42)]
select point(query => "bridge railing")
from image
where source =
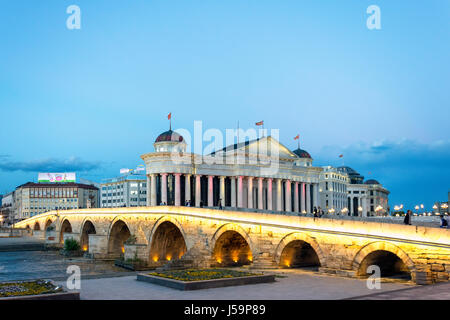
[(425, 221)]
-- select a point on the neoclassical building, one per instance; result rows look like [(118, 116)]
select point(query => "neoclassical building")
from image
[(365, 198), (258, 174)]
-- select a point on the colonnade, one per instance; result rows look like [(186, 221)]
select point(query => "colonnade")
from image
[(263, 193)]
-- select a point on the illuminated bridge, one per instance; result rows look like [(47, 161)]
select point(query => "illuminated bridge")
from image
[(173, 236)]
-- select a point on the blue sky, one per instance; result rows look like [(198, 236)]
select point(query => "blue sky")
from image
[(93, 100)]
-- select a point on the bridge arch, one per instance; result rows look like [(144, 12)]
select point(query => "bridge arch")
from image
[(48, 223), (167, 240), (231, 246), (298, 249), (87, 228), (66, 227), (118, 233), (36, 226), (389, 257)]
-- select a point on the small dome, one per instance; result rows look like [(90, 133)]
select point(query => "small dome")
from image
[(169, 136), (371, 181), (302, 153)]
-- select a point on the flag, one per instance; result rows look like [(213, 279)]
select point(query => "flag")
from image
[(259, 123), (341, 156), (169, 116), (297, 137)]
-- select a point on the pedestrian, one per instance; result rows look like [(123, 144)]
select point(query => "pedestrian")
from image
[(320, 212), (315, 212), (444, 222), (407, 219), (220, 204), (201, 203)]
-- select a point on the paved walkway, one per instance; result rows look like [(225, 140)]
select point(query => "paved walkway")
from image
[(296, 285), (439, 291)]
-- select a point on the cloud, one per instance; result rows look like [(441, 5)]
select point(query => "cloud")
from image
[(48, 165), (414, 172)]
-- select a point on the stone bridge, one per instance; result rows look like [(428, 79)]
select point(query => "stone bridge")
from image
[(173, 236)]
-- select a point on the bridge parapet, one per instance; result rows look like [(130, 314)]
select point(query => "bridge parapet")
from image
[(206, 237)]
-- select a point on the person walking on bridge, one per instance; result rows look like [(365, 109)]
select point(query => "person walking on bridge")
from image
[(407, 219)]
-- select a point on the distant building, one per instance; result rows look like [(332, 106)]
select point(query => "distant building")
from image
[(333, 186), (36, 198), (442, 207), (7, 208), (367, 198), (129, 190)]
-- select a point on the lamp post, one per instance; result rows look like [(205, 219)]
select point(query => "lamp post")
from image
[(360, 209), (445, 207)]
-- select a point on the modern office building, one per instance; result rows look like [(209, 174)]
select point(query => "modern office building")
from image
[(36, 198), (129, 190)]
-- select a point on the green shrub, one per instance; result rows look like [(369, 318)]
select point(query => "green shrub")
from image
[(71, 245)]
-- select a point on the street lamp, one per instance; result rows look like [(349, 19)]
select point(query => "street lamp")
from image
[(360, 209)]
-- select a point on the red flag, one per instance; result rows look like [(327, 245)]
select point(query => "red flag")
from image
[(341, 155), (169, 116), (297, 137), (260, 123)]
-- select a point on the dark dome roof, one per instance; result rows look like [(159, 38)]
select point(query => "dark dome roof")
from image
[(169, 136), (347, 170), (302, 153), (371, 181)]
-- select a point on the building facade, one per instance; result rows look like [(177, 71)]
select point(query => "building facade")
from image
[(7, 209), (258, 174), (333, 187), (35, 198), (126, 191), (367, 198)]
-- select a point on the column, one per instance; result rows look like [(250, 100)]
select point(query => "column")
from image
[(149, 200), (177, 189), (198, 190), (351, 207), (364, 206), (260, 193), (210, 191), (278, 194), (316, 195), (303, 197), (287, 198), (233, 191), (222, 190), (308, 198), (296, 196), (250, 192), (153, 190), (239, 192), (269, 194), (164, 188), (187, 187)]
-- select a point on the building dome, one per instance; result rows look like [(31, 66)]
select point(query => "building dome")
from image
[(371, 181), (347, 170), (169, 136), (355, 177), (302, 153)]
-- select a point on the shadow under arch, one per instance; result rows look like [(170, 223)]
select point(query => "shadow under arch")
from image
[(298, 250), (118, 233), (87, 228), (37, 226), (392, 261), (231, 246), (167, 240), (66, 227)]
